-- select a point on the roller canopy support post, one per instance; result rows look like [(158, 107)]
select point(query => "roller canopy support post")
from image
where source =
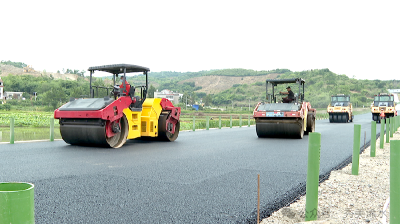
[(382, 136), (373, 138), (395, 182), (356, 149), (314, 149)]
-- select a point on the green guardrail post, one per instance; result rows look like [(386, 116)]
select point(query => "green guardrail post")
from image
[(314, 148), (17, 203), (395, 181), (219, 126), (230, 125), (240, 121), (207, 123), (12, 130), (391, 126), (387, 129), (382, 135), (194, 123), (373, 139), (248, 122), (51, 129), (356, 149)]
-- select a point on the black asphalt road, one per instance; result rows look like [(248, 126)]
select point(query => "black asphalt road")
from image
[(203, 177)]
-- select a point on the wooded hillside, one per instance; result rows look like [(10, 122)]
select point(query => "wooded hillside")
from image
[(217, 88)]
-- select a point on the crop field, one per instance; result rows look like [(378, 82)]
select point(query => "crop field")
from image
[(26, 119)]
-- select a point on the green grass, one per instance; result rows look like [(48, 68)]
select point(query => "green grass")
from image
[(28, 133)]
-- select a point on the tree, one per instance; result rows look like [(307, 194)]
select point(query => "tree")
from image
[(207, 100), (15, 64), (26, 95), (54, 97), (151, 91), (77, 92)]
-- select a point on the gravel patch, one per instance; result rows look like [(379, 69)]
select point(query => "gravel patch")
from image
[(346, 198)]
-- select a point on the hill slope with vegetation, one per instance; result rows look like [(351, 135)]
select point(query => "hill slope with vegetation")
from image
[(216, 88)]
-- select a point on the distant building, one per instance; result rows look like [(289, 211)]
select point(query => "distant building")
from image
[(9, 95), (170, 95), (13, 95)]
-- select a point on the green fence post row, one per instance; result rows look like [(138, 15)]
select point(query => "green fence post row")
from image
[(219, 126), (314, 149), (382, 135), (194, 123), (373, 139), (394, 181), (391, 127), (387, 129), (12, 130), (356, 149), (51, 129)]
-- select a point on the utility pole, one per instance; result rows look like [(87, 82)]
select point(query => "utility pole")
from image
[(186, 101), (249, 103)]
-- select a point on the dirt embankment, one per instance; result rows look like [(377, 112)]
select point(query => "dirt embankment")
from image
[(215, 84), (8, 69)]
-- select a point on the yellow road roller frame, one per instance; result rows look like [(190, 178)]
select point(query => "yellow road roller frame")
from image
[(145, 122)]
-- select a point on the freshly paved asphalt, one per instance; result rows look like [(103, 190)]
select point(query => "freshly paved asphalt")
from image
[(202, 177)]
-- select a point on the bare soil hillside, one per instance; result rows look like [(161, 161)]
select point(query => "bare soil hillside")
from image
[(8, 69), (216, 84)]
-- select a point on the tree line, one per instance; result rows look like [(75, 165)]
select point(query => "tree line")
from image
[(320, 85)]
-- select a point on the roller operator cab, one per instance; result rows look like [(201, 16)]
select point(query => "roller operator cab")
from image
[(291, 119), (383, 107), (340, 109), (124, 114)]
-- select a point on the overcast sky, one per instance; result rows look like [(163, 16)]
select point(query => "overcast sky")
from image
[(357, 38)]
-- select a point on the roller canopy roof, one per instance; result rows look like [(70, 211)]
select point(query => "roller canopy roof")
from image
[(282, 81), (119, 68)]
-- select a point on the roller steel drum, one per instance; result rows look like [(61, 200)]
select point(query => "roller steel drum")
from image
[(92, 132), (280, 129)]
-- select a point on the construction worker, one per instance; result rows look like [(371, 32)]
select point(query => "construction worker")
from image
[(127, 85), (382, 115), (290, 96)]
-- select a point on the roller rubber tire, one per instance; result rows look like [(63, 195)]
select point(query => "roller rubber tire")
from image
[(163, 134), (312, 128)]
